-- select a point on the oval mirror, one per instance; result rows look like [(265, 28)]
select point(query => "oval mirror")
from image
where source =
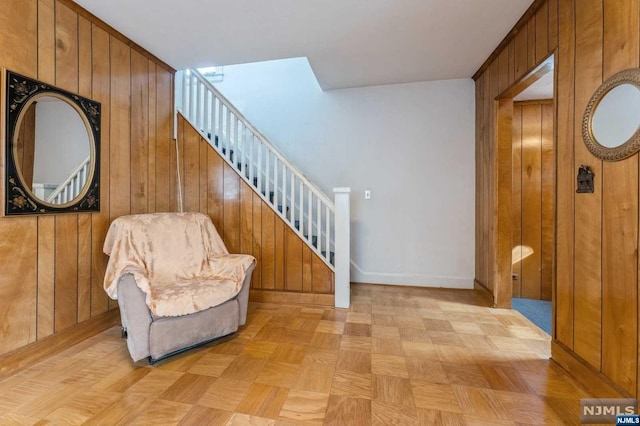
[(52, 149), (611, 123)]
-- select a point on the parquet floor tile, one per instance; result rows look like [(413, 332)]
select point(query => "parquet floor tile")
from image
[(400, 355)]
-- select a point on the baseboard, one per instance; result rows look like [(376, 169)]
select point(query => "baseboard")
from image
[(272, 296), (416, 280), (477, 285), (595, 382), (33, 353)]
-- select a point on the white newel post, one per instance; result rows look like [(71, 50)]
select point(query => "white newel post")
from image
[(342, 248)]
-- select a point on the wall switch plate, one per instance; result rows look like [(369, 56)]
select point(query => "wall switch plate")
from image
[(367, 194)]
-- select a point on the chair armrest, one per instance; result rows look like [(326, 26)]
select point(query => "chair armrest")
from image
[(243, 296), (135, 316)]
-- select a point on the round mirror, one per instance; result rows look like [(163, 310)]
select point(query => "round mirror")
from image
[(611, 124), (52, 148)]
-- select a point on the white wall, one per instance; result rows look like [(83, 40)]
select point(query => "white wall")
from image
[(411, 144)]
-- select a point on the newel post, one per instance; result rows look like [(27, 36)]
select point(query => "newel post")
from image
[(342, 248)]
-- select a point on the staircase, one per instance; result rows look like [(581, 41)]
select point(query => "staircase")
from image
[(284, 188), (71, 187)]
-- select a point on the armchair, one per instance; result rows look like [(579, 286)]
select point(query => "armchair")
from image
[(176, 284)]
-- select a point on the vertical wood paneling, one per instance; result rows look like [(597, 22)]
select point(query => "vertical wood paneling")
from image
[(547, 202), (279, 255), (53, 266), (553, 24), (215, 188), (249, 225), (46, 271), (620, 216), (46, 41), (521, 45), (67, 54), (84, 267), (18, 255), (531, 43), (164, 140), (152, 139), (101, 88), (307, 277), (516, 199), (293, 260), (191, 172), (84, 57), (588, 207), (542, 32), (503, 70), (203, 185), (596, 266), (531, 199), (19, 24), (511, 48), (231, 227), (139, 132), (565, 186), (268, 249), (120, 133), (256, 277), (66, 271), (246, 219)]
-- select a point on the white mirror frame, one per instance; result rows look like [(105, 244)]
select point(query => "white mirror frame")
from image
[(631, 145)]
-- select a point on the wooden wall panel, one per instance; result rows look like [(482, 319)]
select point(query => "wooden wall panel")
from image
[(101, 88), (597, 237), (53, 266), (247, 223), (516, 199), (532, 198), (19, 41), (547, 200), (588, 207), (18, 262), (67, 54), (139, 132), (620, 215), (66, 272), (565, 184), (46, 269)]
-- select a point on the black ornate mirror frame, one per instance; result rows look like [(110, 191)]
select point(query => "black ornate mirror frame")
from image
[(19, 199)]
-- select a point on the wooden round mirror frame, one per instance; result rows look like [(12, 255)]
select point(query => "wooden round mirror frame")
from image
[(631, 145)]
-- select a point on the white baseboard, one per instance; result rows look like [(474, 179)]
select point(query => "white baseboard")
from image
[(417, 280)]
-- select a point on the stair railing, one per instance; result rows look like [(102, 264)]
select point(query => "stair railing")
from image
[(71, 187), (302, 206)]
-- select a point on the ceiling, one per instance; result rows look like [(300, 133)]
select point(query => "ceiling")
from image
[(349, 43)]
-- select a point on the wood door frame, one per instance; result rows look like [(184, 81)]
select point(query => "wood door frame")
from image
[(503, 221)]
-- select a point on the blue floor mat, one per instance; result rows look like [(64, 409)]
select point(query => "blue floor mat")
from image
[(537, 311)]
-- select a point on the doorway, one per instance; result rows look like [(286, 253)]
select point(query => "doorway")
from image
[(526, 135)]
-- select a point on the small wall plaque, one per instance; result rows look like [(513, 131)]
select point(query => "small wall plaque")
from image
[(585, 180)]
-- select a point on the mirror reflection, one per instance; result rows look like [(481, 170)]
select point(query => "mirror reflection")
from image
[(617, 116), (52, 150)]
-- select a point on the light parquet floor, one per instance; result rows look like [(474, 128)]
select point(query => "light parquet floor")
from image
[(398, 356)]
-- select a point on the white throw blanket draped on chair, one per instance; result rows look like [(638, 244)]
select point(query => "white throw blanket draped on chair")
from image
[(177, 259)]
